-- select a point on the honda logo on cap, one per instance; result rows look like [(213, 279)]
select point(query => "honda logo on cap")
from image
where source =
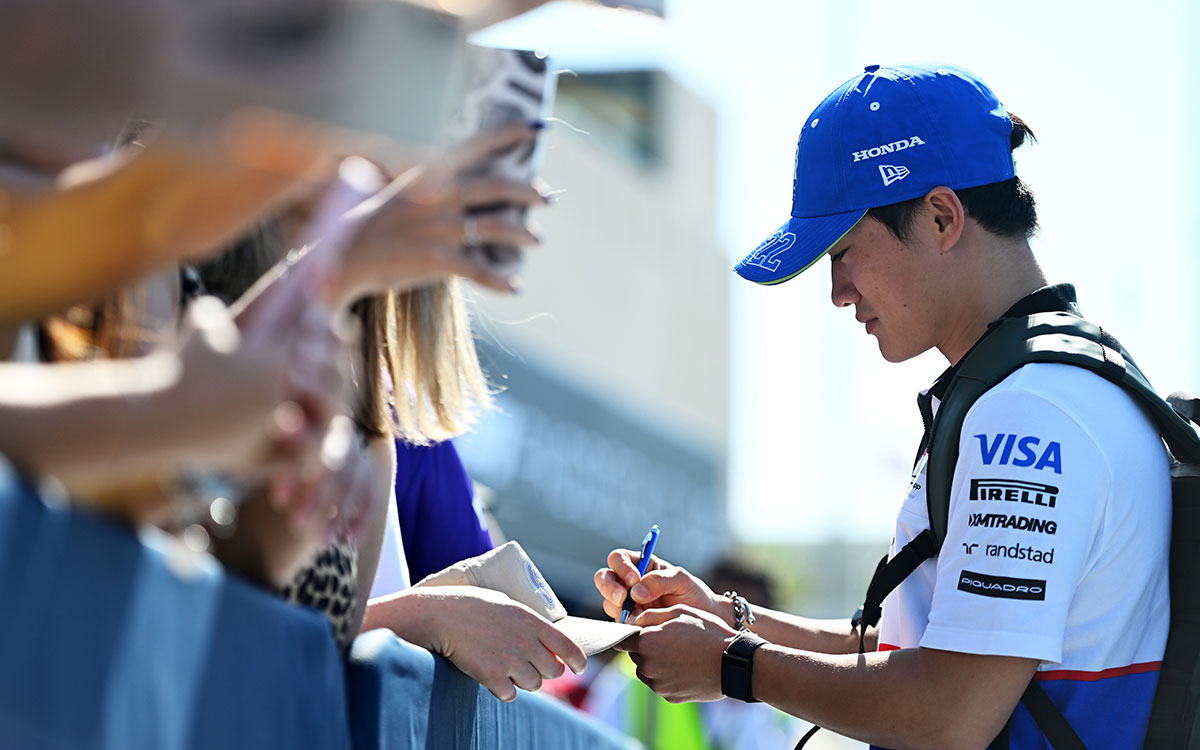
[(892, 174)]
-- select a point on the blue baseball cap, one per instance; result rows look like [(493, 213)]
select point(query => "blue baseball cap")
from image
[(885, 136)]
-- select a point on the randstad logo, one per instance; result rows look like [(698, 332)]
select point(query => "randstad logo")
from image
[(999, 449), (892, 174)]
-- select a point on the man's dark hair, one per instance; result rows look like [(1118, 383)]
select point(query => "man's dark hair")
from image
[(1003, 208)]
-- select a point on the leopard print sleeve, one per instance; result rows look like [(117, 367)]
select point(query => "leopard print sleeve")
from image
[(329, 584)]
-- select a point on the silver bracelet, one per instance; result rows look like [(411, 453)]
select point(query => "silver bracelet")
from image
[(743, 616)]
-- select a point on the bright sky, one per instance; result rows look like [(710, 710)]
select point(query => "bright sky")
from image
[(823, 430)]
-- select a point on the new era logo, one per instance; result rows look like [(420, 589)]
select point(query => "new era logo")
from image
[(891, 174)]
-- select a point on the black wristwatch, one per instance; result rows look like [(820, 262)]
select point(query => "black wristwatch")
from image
[(737, 666)]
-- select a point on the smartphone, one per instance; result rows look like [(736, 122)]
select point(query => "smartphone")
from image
[(506, 86), (385, 67)]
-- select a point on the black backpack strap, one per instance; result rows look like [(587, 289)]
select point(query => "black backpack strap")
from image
[(1174, 717), (1049, 719), (888, 576), (1059, 338), (1056, 338)]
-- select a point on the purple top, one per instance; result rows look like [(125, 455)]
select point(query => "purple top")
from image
[(440, 523)]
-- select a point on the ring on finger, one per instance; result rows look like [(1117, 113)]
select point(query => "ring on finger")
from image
[(471, 236)]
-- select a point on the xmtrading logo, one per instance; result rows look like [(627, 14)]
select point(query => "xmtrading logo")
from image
[(1006, 521)]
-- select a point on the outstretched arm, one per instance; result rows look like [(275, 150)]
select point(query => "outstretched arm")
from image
[(911, 698), (666, 585), (106, 223), (499, 642)]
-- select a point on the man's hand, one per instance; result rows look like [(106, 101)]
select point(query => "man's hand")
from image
[(678, 652), (664, 585)]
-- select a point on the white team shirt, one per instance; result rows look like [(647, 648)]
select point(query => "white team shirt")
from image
[(1056, 549)]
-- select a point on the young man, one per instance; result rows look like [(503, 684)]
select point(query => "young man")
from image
[(1054, 565)]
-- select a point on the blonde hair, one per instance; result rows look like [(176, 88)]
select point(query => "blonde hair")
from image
[(421, 379), (429, 353)]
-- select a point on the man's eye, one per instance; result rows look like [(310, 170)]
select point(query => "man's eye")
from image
[(835, 258)]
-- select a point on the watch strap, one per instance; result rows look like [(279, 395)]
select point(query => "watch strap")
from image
[(737, 666)]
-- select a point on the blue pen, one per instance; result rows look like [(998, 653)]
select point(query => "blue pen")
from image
[(647, 550)]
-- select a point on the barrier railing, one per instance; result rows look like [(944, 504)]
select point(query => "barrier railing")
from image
[(123, 640)]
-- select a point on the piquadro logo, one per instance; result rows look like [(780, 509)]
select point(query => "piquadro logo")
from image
[(1002, 587), (892, 174), (766, 255), (999, 449)]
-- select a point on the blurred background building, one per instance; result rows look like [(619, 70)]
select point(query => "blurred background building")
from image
[(614, 359)]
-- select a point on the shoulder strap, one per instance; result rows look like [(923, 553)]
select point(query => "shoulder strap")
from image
[(1060, 338), (1054, 337), (1048, 718)]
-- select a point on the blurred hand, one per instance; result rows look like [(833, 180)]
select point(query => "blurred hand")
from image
[(201, 197), (255, 406), (499, 642), (415, 231), (664, 585), (332, 499), (678, 652), (143, 209)]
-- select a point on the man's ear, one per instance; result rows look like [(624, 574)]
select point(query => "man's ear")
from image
[(945, 216)]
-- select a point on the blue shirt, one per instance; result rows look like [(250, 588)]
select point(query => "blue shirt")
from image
[(440, 522)]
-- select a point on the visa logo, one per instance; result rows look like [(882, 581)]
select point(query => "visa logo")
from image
[(1000, 448)]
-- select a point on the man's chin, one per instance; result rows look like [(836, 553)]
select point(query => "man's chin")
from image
[(894, 355)]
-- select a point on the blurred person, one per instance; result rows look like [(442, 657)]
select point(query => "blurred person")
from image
[(621, 701), (214, 400), (72, 230), (905, 178), (71, 73), (501, 643), (425, 350)]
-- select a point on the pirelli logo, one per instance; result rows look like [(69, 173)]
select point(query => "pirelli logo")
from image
[(1014, 491)]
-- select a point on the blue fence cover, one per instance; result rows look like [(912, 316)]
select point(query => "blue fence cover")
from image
[(115, 639)]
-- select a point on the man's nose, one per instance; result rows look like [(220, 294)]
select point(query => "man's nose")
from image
[(842, 291)]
